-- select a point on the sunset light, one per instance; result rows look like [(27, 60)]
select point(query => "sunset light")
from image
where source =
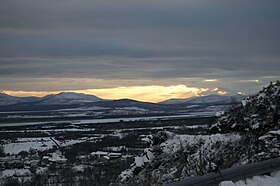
[(141, 93)]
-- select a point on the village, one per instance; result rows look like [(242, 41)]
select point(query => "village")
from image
[(97, 154), (26, 165)]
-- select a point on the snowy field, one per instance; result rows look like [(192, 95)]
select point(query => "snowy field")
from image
[(113, 120), (40, 144), (26, 144)]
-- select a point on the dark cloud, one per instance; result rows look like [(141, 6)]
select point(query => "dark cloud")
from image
[(150, 40)]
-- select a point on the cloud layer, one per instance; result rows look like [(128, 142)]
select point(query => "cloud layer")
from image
[(68, 44)]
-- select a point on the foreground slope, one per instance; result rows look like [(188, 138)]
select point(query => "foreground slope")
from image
[(259, 113), (244, 134)]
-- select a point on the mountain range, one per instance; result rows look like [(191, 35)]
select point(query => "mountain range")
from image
[(64, 98), (72, 100)]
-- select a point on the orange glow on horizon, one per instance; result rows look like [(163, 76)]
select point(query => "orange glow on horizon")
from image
[(141, 93), (222, 92)]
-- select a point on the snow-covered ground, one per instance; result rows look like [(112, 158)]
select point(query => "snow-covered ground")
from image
[(178, 141), (40, 144), (26, 144), (114, 120), (167, 127), (92, 121), (273, 180), (139, 162), (79, 140), (51, 130)]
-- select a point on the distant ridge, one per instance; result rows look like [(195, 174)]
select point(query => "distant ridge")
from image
[(209, 99)]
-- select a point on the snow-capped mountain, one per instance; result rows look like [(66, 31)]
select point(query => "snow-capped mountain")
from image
[(9, 100), (63, 98), (209, 99), (68, 98)]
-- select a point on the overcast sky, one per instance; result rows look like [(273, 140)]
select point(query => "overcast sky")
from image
[(61, 45)]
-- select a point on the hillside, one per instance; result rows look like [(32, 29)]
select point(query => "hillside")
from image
[(259, 113), (244, 134)]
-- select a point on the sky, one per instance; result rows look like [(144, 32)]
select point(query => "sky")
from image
[(148, 50)]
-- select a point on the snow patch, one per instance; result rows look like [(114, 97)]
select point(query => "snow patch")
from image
[(273, 180)]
